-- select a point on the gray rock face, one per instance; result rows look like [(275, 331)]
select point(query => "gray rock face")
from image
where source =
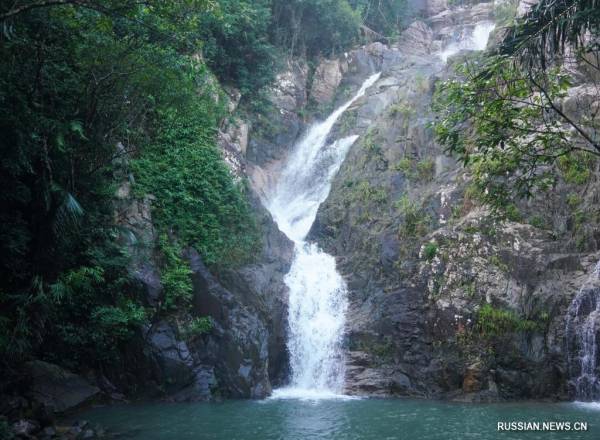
[(55, 386), (238, 345), (327, 78), (411, 322), (289, 89), (435, 7), (417, 39)]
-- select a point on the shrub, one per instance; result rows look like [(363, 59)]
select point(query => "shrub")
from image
[(426, 168), (415, 222), (431, 250), (404, 165), (197, 328), (573, 200), (536, 221), (365, 192), (197, 197), (574, 169), (110, 325), (512, 213), (175, 276)]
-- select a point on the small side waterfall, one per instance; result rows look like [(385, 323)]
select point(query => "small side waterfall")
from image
[(475, 40), (582, 334), (317, 302)]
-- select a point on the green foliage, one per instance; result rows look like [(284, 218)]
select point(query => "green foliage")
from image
[(235, 46), (175, 276), (415, 222), (313, 27), (82, 278), (110, 325), (573, 200), (507, 106), (405, 165), (536, 221), (406, 111), (579, 217), (574, 169), (197, 198), (421, 83), (512, 213), (197, 327), (426, 169), (431, 250), (505, 11), (366, 193), (493, 322), (496, 262), (386, 17), (542, 33), (90, 98)]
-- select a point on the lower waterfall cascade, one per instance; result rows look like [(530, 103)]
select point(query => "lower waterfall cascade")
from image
[(583, 327)]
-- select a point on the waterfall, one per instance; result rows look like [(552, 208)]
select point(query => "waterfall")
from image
[(475, 40), (582, 331), (317, 292)]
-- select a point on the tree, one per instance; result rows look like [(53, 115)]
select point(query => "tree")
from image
[(514, 113)]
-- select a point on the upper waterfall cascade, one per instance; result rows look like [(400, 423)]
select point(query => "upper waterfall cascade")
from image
[(475, 39), (317, 292)]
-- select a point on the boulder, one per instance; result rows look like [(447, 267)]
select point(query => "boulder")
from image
[(24, 428), (435, 7), (170, 359), (288, 92), (58, 387), (233, 98), (326, 80), (417, 39)]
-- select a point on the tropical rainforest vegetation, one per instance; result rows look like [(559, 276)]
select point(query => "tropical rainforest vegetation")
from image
[(93, 93)]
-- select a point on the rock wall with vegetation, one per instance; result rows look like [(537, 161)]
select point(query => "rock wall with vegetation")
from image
[(449, 297)]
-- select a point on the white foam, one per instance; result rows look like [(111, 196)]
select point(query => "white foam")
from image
[(595, 406), (475, 40), (308, 395)]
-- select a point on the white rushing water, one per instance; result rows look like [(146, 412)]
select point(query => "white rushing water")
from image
[(317, 292), (583, 325), (477, 39)]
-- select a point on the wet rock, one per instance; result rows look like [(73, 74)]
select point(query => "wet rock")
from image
[(238, 349), (58, 387), (49, 431), (24, 428), (76, 431)]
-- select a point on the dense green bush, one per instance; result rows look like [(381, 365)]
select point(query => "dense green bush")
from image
[(197, 199)]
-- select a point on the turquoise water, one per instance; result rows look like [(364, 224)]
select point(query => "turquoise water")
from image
[(338, 419)]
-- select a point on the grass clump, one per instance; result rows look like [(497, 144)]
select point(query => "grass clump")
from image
[(426, 169), (494, 321)]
